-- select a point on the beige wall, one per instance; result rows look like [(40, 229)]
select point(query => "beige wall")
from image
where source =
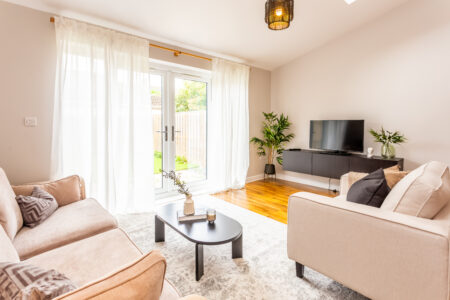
[(393, 72), (259, 101), (27, 74), (27, 71)]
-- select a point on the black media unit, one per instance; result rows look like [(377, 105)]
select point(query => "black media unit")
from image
[(334, 165)]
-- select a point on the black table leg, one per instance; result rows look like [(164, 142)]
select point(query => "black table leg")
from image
[(160, 235), (236, 248), (198, 261)]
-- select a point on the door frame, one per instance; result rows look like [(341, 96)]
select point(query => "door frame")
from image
[(170, 71)]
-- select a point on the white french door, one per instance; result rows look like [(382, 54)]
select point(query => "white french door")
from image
[(179, 103)]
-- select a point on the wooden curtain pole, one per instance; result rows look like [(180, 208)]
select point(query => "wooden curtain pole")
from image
[(178, 53), (175, 52)]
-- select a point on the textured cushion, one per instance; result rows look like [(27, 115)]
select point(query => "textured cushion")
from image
[(142, 279), (10, 215), (370, 190), (27, 282), (393, 168), (37, 207), (394, 177), (7, 251), (89, 259), (422, 193), (67, 224), (65, 191)]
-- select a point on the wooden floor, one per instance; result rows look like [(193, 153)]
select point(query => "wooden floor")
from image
[(269, 197)]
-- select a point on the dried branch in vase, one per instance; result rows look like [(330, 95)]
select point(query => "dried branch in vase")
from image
[(180, 184)]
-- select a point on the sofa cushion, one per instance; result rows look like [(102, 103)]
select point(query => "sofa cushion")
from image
[(10, 215), (89, 259), (67, 224), (23, 281), (394, 177), (142, 279), (37, 207), (395, 168), (66, 190), (370, 190), (7, 251), (422, 193)]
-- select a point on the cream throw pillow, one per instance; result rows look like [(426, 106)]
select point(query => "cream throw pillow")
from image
[(66, 190), (422, 193), (392, 177)]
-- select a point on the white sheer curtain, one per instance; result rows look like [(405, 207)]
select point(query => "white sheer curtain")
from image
[(102, 114), (228, 126)]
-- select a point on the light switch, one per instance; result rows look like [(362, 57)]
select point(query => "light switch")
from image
[(30, 121)]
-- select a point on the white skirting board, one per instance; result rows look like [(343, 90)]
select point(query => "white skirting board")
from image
[(255, 178), (315, 181)]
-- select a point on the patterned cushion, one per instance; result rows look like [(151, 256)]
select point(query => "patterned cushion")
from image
[(37, 207), (26, 282)]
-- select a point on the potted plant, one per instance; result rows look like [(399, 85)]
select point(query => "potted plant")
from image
[(388, 139), (274, 139), (182, 189)]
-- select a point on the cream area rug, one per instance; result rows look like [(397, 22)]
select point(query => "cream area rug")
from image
[(264, 272)]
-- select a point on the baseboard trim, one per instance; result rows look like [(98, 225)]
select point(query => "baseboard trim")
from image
[(311, 182), (255, 178), (306, 181)]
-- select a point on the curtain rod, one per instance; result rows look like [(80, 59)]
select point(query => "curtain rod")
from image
[(175, 52)]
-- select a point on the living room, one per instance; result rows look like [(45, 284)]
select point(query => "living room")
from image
[(286, 150)]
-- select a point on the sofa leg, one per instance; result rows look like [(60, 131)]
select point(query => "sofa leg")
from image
[(300, 269)]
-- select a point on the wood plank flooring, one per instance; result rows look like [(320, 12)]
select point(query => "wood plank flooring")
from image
[(269, 197)]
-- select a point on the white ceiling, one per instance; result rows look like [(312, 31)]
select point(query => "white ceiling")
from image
[(231, 27)]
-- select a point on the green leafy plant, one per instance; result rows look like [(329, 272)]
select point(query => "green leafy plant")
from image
[(387, 137), (274, 137)]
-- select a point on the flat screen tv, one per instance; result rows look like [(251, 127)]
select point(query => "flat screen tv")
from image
[(337, 135)]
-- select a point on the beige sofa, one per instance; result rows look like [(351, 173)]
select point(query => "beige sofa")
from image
[(379, 253), (81, 240)]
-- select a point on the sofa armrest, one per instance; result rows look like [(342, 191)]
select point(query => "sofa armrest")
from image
[(66, 190), (142, 279), (347, 180), (381, 254), (344, 185)]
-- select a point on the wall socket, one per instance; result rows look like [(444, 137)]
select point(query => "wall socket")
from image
[(30, 121)]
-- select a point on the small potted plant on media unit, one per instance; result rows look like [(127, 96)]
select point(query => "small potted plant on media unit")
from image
[(188, 209), (388, 139), (274, 139)]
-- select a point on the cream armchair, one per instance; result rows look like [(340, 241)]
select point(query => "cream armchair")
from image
[(378, 253)]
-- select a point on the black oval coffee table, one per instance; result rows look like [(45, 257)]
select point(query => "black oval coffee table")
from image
[(222, 231)]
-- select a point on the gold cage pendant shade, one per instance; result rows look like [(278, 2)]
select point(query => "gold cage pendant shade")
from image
[(279, 13)]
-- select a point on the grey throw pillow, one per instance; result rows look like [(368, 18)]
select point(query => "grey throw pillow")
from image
[(25, 282), (370, 190), (37, 207)]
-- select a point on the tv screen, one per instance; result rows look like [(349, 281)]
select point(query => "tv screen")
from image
[(337, 135)]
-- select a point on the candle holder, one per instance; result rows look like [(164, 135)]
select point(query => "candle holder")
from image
[(211, 215)]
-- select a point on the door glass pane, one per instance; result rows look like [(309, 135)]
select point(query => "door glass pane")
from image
[(157, 110), (190, 129)]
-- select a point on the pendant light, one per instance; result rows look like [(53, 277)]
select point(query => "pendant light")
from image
[(279, 13)]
